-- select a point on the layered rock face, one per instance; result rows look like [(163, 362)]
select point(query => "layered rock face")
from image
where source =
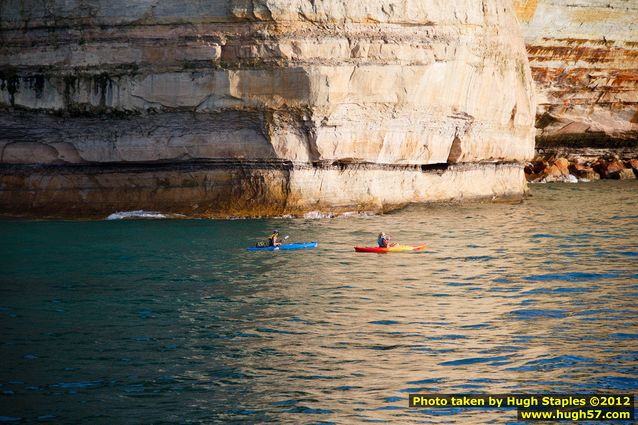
[(584, 59), (259, 107)]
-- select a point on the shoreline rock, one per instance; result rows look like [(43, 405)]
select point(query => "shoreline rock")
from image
[(550, 168)]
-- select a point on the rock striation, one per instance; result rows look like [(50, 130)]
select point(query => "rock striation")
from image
[(259, 107), (584, 59)]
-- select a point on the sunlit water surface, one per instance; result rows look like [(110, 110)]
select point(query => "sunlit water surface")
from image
[(173, 321)]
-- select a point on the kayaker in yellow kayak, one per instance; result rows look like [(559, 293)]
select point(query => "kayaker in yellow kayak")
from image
[(384, 241)]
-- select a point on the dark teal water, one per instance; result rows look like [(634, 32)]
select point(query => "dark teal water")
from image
[(172, 321)]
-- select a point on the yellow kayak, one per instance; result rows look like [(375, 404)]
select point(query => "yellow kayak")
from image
[(396, 248)]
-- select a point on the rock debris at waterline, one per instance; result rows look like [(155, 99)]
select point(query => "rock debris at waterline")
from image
[(542, 170), (131, 105)]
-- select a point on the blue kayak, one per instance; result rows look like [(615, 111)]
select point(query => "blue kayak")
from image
[(287, 247)]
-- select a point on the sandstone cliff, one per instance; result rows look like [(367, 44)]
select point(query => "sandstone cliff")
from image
[(584, 59), (259, 107)]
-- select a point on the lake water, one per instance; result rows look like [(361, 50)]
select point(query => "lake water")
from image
[(172, 321)]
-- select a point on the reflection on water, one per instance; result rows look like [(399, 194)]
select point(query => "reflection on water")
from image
[(172, 321)]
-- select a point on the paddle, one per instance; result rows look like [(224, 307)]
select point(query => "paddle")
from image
[(264, 244), (281, 242), (285, 237), (391, 244)]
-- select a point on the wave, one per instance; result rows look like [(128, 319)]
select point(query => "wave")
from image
[(570, 178), (314, 215), (139, 214)]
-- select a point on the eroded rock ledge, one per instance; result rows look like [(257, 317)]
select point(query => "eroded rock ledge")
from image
[(246, 189), (86, 91)]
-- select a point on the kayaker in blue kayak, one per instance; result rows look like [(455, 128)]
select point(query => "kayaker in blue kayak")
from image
[(273, 240)]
